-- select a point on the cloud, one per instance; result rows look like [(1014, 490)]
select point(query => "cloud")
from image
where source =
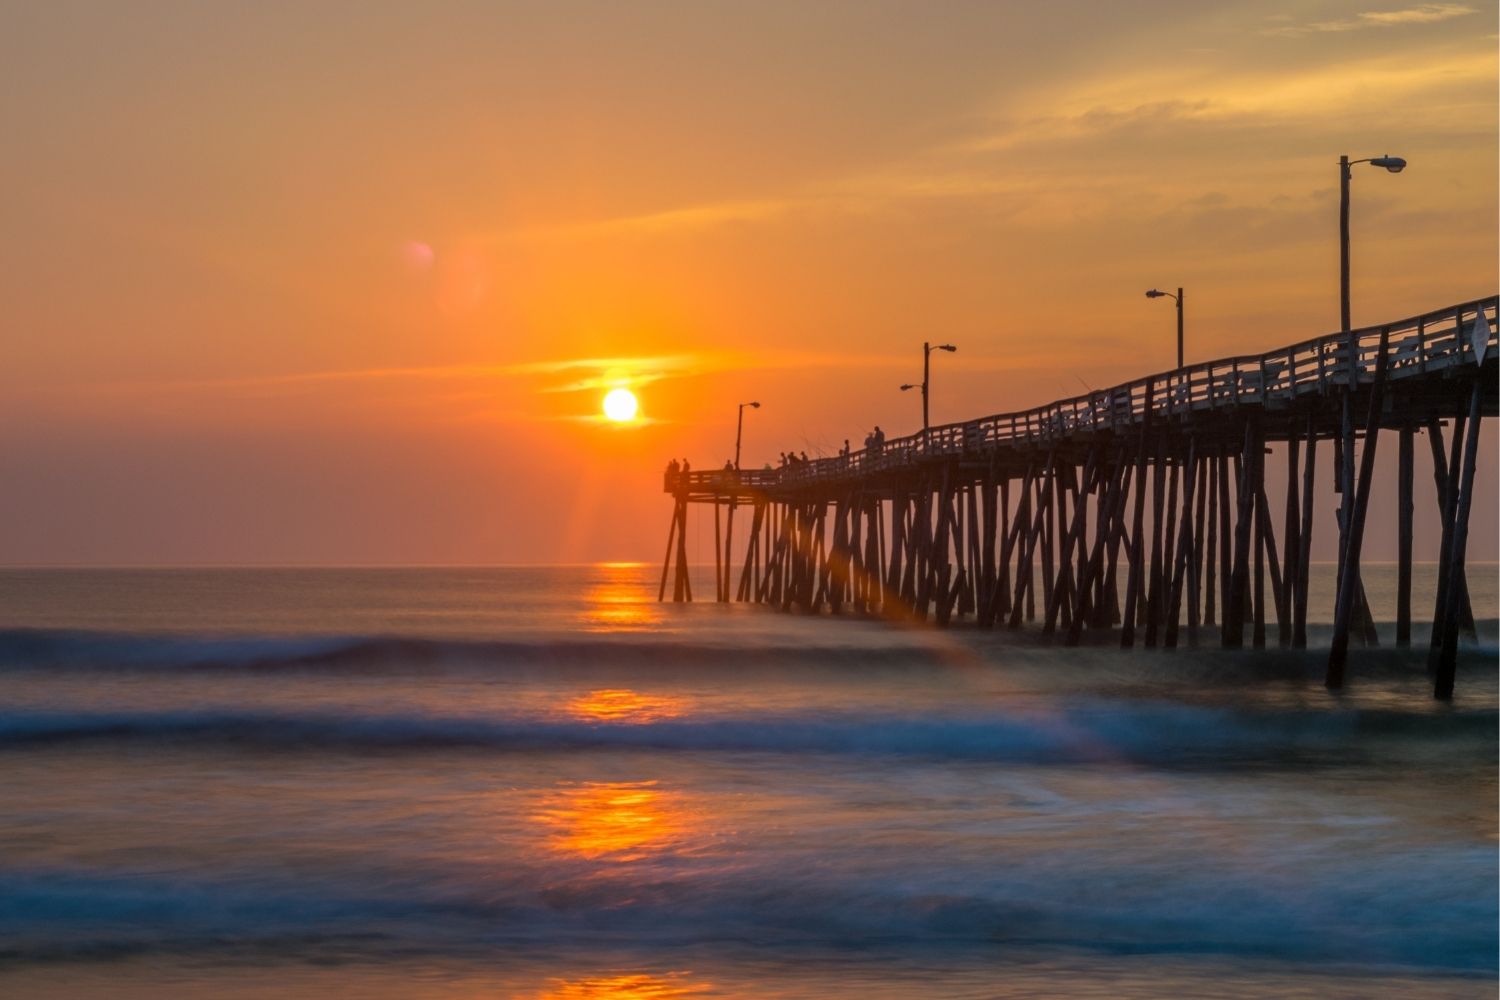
[(685, 219), (1033, 158), (1442, 79), (1427, 13)]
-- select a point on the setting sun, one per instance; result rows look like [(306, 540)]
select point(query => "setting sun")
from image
[(620, 405)]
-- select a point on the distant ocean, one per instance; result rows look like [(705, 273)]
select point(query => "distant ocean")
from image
[(541, 783)]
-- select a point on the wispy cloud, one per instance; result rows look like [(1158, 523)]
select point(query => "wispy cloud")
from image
[(684, 219), (1060, 127), (627, 369), (1247, 99), (1427, 13), (456, 382)]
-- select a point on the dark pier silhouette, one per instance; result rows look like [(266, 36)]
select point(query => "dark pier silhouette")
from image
[(1141, 508)]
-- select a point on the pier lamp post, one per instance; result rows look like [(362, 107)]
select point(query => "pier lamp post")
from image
[(1157, 294), (739, 432), (1395, 165), (1349, 589), (927, 350)]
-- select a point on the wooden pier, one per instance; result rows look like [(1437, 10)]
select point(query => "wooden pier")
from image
[(1141, 508)]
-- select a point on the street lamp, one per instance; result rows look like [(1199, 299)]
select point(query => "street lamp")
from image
[(927, 350), (1395, 165), (739, 432), (1156, 294)]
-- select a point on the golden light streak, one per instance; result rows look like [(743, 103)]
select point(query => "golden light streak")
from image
[(616, 821), (624, 705), (671, 986)]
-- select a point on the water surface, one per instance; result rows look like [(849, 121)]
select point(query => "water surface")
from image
[(542, 783)]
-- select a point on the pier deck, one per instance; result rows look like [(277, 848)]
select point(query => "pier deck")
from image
[(960, 520)]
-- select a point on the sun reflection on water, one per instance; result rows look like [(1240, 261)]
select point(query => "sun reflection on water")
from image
[(638, 987), (619, 821), (620, 600), (625, 705)]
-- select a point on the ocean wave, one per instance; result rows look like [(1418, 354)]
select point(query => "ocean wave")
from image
[(57, 650), (1085, 901), (1075, 731)]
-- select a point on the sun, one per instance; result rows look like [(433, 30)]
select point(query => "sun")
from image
[(620, 405)]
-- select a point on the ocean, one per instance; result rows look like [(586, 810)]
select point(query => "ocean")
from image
[(541, 783)]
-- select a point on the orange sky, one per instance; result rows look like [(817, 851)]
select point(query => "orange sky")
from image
[(345, 283)]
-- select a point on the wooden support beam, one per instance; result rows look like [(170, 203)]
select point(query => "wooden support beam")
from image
[(1210, 548), (819, 565), (1111, 507), (913, 558), (1135, 579), (1255, 467), (1404, 510), (1055, 490), (752, 552), (1110, 612), (1355, 528), (1001, 595), (925, 547), (1448, 656), (1195, 558), (1226, 567), (661, 593), (984, 613), (721, 573), (1304, 538), (892, 602), (1273, 564), (1286, 595), (1182, 563), (1239, 583), (942, 567), (837, 583), (1154, 595), (874, 542), (682, 589), (1065, 590), (1013, 542), (969, 600), (1027, 558), (1440, 470), (1169, 543)]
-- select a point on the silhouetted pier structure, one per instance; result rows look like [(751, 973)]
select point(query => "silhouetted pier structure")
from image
[(1141, 507)]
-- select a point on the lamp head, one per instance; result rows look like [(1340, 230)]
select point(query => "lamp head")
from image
[(908, 385), (1155, 294), (755, 405), (947, 347), (1394, 164)]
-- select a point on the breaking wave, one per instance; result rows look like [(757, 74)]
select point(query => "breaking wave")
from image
[(1149, 733)]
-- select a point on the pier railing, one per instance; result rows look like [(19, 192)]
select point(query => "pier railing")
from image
[(1417, 346)]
